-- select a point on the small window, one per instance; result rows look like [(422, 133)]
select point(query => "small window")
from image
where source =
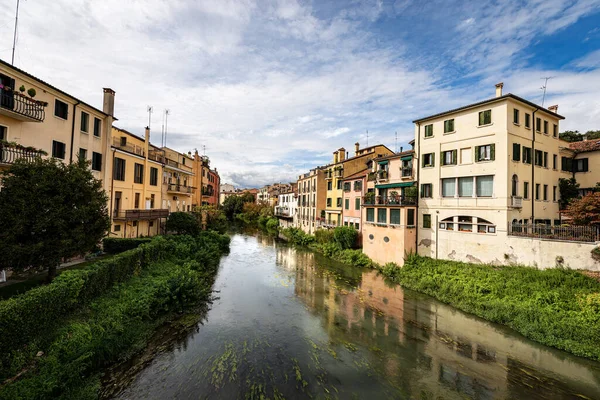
[(97, 127), (329, 185), (465, 187), (58, 149), (485, 153), (449, 157), (96, 161), (152, 198), (554, 161), (526, 190), (426, 190), (381, 215), (427, 221), (153, 176), (338, 202), (329, 202), (545, 159), (516, 116), (370, 214), (581, 165), (527, 121), (545, 192), (123, 141), (538, 124), (410, 217), (339, 185), (484, 186), (429, 130), (357, 203), (117, 228), (395, 216), (539, 160), (138, 176), (137, 201), (119, 169), (346, 204), (357, 185), (485, 117), (82, 154), (537, 191), (135, 223), (61, 109), (428, 160), (555, 130), (449, 126), (554, 193), (85, 122), (3, 135), (526, 155), (347, 186), (545, 127), (516, 155)]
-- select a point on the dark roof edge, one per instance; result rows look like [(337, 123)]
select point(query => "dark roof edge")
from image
[(489, 101)]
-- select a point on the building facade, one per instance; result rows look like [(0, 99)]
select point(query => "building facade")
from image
[(178, 178), (585, 164), (484, 169), (206, 182), (354, 188), (311, 200), (287, 206)]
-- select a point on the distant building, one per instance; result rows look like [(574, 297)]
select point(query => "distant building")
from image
[(585, 164), (354, 188), (287, 206), (311, 200)]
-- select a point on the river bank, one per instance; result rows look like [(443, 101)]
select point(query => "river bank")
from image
[(555, 307), (101, 315)]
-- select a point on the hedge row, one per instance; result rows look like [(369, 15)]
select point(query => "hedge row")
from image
[(119, 245), (39, 311)]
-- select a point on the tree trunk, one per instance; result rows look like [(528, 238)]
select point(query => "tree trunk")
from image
[(52, 272)]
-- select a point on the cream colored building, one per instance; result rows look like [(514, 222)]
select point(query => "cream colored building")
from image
[(484, 168), (178, 178), (311, 200), (585, 164)]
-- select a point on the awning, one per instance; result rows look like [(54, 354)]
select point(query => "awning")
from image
[(383, 162), (394, 185), (406, 158)]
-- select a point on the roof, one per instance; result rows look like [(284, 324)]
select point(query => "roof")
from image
[(353, 157), (397, 155), (129, 133), (2, 62), (489, 101), (586, 145), (358, 174)]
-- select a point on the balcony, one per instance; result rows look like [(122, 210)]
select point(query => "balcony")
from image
[(283, 212), (339, 173), (516, 202), (407, 172), (174, 187), (328, 174), (157, 156), (382, 176), (9, 153), (372, 176), (128, 147), (208, 192), (389, 201), (140, 214), (21, 107)]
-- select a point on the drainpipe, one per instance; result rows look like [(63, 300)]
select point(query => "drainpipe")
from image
[(112, 182), (533, 131), (417, 159), (73, 132)]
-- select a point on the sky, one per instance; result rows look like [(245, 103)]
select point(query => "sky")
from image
[(271, 88)]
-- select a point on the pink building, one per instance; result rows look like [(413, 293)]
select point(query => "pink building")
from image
[(354, 188)]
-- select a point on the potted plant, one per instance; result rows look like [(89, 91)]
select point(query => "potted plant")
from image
[(31, 92), (395, 197), (22, 88), (369, 197)]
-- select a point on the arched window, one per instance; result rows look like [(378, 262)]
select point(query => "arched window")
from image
[(465, 223), (515, 185)]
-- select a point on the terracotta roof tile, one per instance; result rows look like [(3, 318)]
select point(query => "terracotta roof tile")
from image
[(586, 145)]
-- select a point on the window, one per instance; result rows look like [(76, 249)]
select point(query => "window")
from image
[(347, 186), (484, 226), (357, 203), (346, 204), (117, 228), (61, 109), (566, 164), (554, 161), (485, 153), (370, 215), (329, 202), (426, 190), (339, 185), (357, 185), (545, 159), (465, 223), (545, 192), (152, 197), (338, 202), (410, 217), (85, 122), (516, 156), (138, 173), (526, 155), (428, 160), (465, 187), (329, 185), (96, 161), (153, 176), (581, 165), (82, 154), (137, 201), (526, 190), (466, 156), (537, 191), (3, 135), (527, 121), (516, 116), (485, 117), (538, 124), (515, 185), (119, 173), (545, 127), (97, 126), (449, 157), (427, 221), (58, 149), (448, 187), (395, 216), (123, 141), (553, 193), (539, 158), (429, 130), (381, 215), (554, 130), (449, 126), (484, 186), (135, 223)]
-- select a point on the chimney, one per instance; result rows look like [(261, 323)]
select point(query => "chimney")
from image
[(356, 148), (401, 149), (553, 108), (341, 154), (499, 89), (335, 157), (109, 102)]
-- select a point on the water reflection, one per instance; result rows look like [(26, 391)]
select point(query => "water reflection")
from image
[(291, 324)]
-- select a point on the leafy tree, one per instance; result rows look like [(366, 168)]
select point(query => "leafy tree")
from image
[(596, 188), (234, 205), (49, 211), (213, 217), (568, 189), (585, 210), (571, 136), (345, 237), (183, 223)]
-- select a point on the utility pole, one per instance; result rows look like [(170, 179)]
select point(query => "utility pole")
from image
[(15, 35)]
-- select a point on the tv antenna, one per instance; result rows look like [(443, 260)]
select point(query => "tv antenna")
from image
[(546, 79), (166, 117), (367, 138), (149, 109), (15, 35), (396, 141)]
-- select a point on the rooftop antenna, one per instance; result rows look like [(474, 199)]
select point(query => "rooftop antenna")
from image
[(546, 79), (396, 141), (149, 109), (166, 121), (203, 149), (15, 35), (367, 138)]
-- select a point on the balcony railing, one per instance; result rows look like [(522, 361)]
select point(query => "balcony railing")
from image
[(389, 200), (22, 107), (339, 173), (407, 172), (131, 148), (542, 231), (173, 187), (516, 202), (372, 176), (156, 156), (9, 154), (283, 212), (382, 175), (140, 214)]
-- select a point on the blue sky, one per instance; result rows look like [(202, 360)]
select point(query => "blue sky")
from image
[(272, 88)]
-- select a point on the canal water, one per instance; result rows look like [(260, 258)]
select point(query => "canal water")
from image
[(291, 324)]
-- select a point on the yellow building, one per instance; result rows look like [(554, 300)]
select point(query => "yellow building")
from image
[(335, 172), (136, 188), (484, 169), (52, 121), (178, 177), (585, 164), (312, 189)]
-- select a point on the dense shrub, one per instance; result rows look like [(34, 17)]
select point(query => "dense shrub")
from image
[(345, 237), (298, 237), (119, 245), (183, 223), (324, 236), (272, 224)]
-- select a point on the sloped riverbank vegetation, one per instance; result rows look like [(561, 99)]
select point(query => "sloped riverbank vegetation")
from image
[(555, 307), (58, 337)]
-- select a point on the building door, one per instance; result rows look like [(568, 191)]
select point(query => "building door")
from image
[(148, 204)]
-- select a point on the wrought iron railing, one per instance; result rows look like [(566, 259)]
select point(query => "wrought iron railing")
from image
[(10, 154), (141, 214), (382, 175), (556, 232), (131, 148), (407, 172), (23, 105), (389, 200), (173, 187)]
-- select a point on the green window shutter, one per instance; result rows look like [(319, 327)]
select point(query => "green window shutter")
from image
[(433, 159), (585, 165), (492, 152), (454, 157), (476, 153), (423, 162), (481, 118), (442, 162), (516, 152)]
